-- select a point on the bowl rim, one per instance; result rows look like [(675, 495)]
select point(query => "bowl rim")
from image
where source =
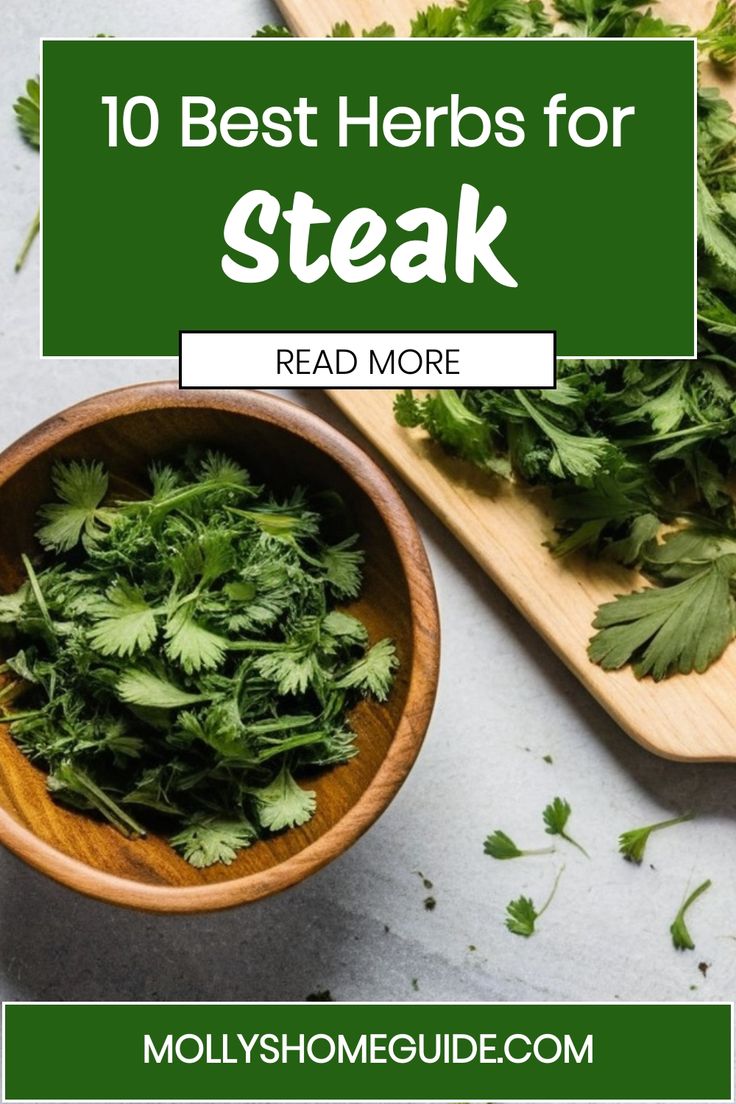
[(412, 724)]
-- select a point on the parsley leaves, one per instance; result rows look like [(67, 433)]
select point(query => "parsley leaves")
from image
[(522, 915), (661, 631), (182, 652)]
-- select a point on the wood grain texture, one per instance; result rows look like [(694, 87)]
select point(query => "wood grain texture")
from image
[(314, 18), (687, 717), (281, 444)]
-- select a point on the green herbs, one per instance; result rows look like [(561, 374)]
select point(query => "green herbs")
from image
[(521, 915), (612, 499), (28, 113), (499, 846), (683, 627), (681, 937), (181, 656), (625, 447), (632, 844), (556, 816)]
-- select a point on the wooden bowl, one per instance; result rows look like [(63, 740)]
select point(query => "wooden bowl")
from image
[(283, 444)]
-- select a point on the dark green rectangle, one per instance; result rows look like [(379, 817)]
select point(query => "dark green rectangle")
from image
[(96, 1052), (133, 237)]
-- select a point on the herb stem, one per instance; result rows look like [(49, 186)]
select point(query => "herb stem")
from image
[(575, 843), (29, 240), (9, 688), (548, 902), (672, 822)]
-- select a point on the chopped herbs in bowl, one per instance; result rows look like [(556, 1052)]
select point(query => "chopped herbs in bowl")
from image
[(182, 654), (223, 679)]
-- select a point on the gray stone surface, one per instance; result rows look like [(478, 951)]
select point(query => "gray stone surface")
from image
[(359, 927)]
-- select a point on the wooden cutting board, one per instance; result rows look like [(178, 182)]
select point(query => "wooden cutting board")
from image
[(314, 18), (689, 717)]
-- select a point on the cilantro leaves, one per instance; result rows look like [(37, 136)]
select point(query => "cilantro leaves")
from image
[(632, 844), (661, 631), (126, 624), (28, 113), (27, 110), (556, 816), (284, 804), (182, 652), (628, 448), (208, 839), (81, 488), (681, 938), (522, 914)]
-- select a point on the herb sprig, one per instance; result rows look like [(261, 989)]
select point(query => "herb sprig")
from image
[(522, 915), (681, 937), (556, 816), (632, 844), (500, 846)]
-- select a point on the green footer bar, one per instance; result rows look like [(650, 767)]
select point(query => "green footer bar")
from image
[(381, 1052)]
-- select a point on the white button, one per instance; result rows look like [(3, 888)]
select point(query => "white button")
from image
[(349, 359)]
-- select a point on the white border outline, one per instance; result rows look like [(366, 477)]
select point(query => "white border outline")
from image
[(399, 38), (366, 1004)]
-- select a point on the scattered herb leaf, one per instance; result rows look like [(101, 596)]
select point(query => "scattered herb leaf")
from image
[(681, 937), (556, 816), (500, 846), (522, 916), (632, 844)]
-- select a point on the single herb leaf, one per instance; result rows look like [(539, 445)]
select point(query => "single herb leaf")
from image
[(210, 839), (681, 938), (192, 645), (632, 844), (125, 623), (500, 846), (284, 804), (521, 914), (665, 630), (81, 486), (374, 672), (556, 816)]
